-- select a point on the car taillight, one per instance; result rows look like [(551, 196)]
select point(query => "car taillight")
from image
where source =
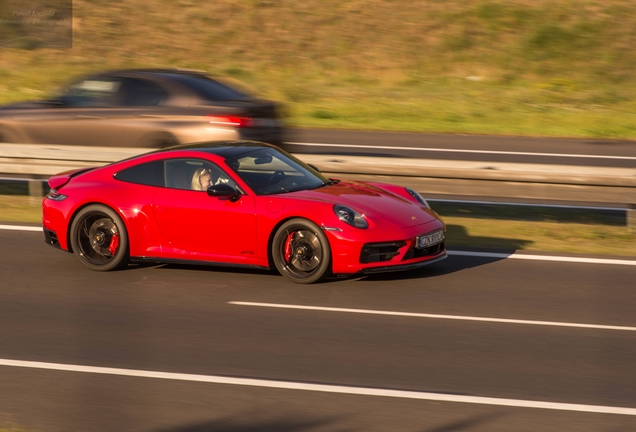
[(55, 195), (233, 121)]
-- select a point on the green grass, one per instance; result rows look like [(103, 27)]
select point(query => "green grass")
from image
[(20, 209), (540, 67), (541, 236), (500, 229)]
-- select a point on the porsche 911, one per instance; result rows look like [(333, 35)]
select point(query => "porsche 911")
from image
[(238, 204)]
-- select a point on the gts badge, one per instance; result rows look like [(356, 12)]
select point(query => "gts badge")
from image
[(247, 252)]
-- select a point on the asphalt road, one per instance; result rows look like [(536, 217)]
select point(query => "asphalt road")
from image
[(558, 151), (178, 319)]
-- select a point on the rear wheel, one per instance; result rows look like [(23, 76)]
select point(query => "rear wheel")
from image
[(99, 238), (301, 252)]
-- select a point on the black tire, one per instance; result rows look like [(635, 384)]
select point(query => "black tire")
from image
[(99, 239), (300, 251)]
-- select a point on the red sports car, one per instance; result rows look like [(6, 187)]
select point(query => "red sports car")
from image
[(242, 203)]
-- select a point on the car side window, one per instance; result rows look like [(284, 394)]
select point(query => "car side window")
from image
[(93, 93), (194, 174), (141, 92), (149, 174)]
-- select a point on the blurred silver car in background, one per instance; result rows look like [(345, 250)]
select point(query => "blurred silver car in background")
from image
[(143, 108)]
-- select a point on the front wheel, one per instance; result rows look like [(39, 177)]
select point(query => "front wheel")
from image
[(301, 252), (99, 238)]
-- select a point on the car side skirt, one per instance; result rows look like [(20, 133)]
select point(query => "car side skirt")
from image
[(195, 263)]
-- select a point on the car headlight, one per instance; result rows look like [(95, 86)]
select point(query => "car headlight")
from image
[(350, 216), (418, 197)]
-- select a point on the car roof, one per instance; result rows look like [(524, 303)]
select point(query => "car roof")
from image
[(194, 82), (225, 149), (155, 71)]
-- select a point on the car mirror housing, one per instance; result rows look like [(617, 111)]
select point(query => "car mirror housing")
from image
[(224, 190)]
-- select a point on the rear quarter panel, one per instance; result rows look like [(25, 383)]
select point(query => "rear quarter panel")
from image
[(132, 203)]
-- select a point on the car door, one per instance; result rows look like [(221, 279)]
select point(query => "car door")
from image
[(201, 227)]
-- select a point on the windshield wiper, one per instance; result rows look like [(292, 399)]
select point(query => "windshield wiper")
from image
[(327, 183), (302, 188)]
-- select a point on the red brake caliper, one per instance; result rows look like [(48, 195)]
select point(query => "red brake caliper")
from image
[(114, 244), (288, 248)]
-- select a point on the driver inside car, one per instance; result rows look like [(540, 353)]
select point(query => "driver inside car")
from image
[(202, 179)]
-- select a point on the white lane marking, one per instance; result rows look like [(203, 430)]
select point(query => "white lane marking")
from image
[(544, 258), (434, 316), (20, 228), (445, 150), (459, 253), (326, 388)]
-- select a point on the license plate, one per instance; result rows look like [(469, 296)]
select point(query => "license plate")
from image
[(429, 240)]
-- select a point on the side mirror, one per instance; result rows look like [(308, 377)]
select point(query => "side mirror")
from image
[(224, 190)]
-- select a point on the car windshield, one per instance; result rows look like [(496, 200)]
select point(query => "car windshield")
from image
[(268, 171)]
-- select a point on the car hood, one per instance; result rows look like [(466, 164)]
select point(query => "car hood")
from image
[(373, 201)]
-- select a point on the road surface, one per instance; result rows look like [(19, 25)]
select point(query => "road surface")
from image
[(471, 344)]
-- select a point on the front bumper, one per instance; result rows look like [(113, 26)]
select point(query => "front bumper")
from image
[(404, 267), (379, 251)]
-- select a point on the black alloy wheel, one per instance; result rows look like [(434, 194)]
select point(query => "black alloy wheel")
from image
[(99, 238), (301, 251)]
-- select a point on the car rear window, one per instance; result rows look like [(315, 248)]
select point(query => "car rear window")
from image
[(149, 174), (209, 89)]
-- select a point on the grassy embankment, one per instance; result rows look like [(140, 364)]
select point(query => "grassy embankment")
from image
[(540, 67)]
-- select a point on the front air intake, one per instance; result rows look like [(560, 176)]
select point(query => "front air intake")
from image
[(379, 252), (419, 253)]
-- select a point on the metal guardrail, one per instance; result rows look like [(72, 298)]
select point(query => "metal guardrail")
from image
[(34, 163)]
